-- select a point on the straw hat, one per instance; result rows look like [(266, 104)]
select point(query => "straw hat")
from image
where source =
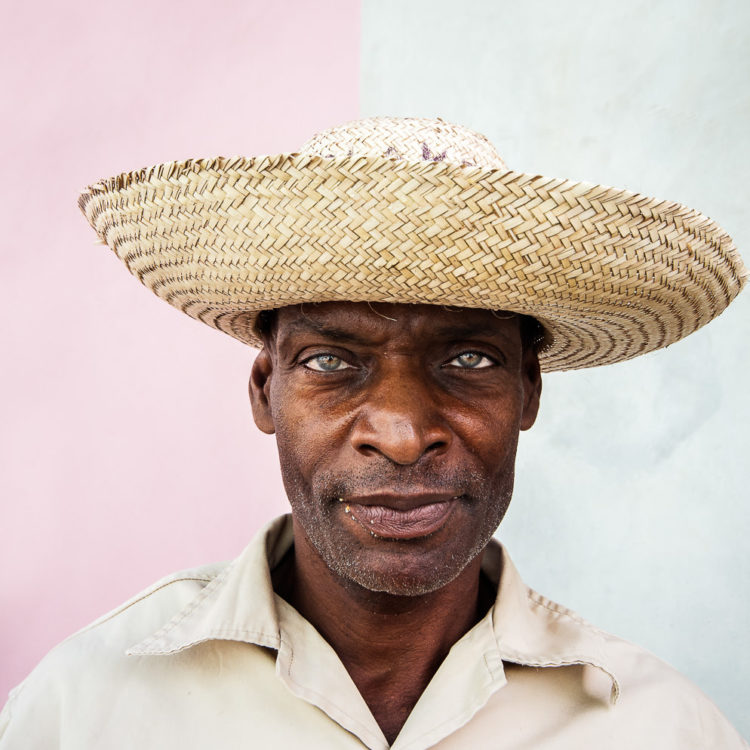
[(418, 211)]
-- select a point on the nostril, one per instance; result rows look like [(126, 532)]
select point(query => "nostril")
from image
[(436, 447)]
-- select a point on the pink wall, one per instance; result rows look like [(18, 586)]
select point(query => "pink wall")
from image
[(127, 447)]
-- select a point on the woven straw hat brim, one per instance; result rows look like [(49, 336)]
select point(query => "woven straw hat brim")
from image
[(610, 274)]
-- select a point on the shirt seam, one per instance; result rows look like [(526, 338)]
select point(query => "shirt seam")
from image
[(458, 721), (130, 603), (250, 637), (577, 657), (323, 700), (558, 609), (191, 607)]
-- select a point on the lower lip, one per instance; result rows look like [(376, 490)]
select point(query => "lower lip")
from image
[(390, 523)]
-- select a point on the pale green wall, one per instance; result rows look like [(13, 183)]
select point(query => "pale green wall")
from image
[(631, 498)]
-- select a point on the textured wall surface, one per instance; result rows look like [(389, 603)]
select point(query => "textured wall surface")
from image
[(127, 449), (631, 492)]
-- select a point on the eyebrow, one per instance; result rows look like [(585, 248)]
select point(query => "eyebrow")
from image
[(468, 330), (450, 332), (306, 325)]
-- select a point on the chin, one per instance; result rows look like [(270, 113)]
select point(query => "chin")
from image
[(398, 584), (399, 573)]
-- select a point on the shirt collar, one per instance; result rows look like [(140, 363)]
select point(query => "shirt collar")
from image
[(534, 631), (238, 604), (521, 627)]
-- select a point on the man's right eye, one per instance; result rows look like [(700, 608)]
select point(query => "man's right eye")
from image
[(326, 363)]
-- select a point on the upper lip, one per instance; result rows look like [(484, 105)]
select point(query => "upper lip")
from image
[(401, 500)]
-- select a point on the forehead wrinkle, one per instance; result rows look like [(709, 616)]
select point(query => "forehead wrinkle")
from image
[(307, 325), (370, 330), (470, 330)]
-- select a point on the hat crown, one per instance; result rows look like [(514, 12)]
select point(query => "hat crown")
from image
[(412, 139)]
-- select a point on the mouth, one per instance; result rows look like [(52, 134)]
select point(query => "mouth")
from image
[(401, 517)]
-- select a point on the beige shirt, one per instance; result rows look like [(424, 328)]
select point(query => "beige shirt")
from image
[(212, 658)]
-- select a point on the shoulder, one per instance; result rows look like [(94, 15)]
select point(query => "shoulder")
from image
[(618, 690), (578, 680), (657, 700), (137, 617), (101, 647)]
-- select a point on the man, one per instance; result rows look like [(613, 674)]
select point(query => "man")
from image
[(406, 291)]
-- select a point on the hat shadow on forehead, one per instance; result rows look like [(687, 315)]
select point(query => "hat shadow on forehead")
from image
[(532, 333), (417, 211)]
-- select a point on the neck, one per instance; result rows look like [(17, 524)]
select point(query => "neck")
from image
[(390, 645)]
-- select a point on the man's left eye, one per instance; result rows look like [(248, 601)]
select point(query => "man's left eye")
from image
[(471, 361)]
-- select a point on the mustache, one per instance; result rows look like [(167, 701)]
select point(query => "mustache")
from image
[(397, 479)]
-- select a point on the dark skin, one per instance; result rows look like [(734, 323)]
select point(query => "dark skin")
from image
[(397, 428)]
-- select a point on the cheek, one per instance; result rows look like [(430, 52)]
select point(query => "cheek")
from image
[(490, 428), (290, 425), (306, 436)]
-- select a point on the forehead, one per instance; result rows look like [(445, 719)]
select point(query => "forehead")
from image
[(390, 320)]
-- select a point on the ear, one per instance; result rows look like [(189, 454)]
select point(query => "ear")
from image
[(532, 387), (260, 389)]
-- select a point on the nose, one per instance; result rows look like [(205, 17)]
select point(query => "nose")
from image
[(400, 419)]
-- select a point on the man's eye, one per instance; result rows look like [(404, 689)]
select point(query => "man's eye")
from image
[(326, 363), (471, 361)]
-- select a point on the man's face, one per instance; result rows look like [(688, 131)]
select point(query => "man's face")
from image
[(397, 428)]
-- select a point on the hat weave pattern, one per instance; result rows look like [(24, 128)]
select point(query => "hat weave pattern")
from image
[(418, 211)]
